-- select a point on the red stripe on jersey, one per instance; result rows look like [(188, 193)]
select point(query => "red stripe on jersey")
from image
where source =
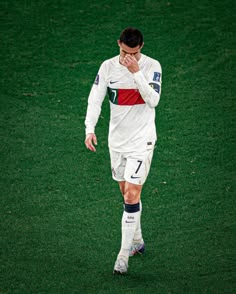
[(129, 97)]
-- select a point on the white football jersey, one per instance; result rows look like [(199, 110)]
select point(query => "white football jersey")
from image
[(133, 98)]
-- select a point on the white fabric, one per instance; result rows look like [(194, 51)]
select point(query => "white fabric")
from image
[(131, 167), (138, 238), (131, 127), (129, 223)]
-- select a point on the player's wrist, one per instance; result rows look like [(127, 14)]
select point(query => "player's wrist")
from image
[(89, 131), (137, 73)]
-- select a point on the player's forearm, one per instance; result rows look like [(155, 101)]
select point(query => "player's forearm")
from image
[(91, 119), (90, 122), (94, 109), (149, 94)]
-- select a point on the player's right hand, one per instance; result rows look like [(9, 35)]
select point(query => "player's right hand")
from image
[(90, 141)]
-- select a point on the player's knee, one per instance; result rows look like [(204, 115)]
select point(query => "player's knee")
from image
[(131, 196)]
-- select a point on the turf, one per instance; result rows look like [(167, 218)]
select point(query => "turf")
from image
[(60, 210)]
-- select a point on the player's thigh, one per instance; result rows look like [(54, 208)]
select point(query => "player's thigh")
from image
[(137, 167), (118, 164)]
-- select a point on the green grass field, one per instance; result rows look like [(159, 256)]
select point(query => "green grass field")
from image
[(60, 209)]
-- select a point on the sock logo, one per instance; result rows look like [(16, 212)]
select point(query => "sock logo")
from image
[(130, 219)]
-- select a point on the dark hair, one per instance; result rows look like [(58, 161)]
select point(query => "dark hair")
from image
[(131, 37)]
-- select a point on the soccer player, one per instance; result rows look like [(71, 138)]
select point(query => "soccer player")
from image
[(132, 82)]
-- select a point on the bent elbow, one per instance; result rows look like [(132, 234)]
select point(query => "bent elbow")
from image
[(153, 102)]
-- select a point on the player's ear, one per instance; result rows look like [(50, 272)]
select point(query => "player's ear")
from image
[(142, 46), (118, 42)]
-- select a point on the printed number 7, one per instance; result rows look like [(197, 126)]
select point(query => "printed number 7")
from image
[(114, 97), (140, 163)]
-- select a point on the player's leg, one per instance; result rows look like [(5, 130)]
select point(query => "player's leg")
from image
[(118, 163), (137, 170), (122, 187), (134, 175), (138, 245), (129, 223), (131, 174), (131, 213), (131, 216)]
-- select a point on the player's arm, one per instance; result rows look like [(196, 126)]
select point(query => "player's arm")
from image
[(95, 99), (150, 88)]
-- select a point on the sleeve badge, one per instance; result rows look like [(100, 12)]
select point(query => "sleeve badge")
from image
[(96, 82), (157, 76)]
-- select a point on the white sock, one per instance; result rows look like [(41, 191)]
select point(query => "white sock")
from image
[(138, 238), (130, 219)]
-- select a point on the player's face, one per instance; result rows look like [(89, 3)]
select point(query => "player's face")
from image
[(124, 49)]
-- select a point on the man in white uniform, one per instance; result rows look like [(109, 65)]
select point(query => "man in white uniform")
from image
[(132, 81)]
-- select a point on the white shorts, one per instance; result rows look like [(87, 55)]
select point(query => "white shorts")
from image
[(131, 167)]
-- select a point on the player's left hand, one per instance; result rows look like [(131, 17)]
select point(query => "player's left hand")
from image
[(131, 63)]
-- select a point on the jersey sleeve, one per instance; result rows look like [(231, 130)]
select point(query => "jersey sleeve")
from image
[(149, 85), (95, 100)]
